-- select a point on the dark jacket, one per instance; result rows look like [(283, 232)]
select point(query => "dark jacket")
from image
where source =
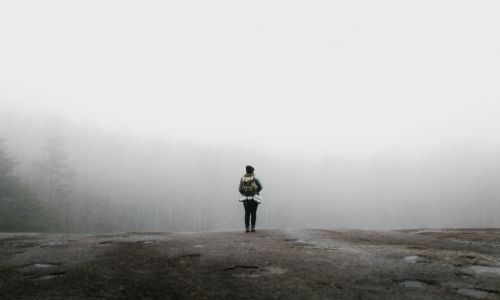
[(257, 182)]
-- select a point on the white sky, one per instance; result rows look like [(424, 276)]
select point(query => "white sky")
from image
[(345, 76)]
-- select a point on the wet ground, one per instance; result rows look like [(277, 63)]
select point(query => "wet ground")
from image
[(267, 264)]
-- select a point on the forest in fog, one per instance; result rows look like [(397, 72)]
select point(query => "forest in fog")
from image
[(119, 116), (62, 176)]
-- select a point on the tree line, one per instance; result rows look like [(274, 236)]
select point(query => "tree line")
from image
[(78, 179), (39, 204)]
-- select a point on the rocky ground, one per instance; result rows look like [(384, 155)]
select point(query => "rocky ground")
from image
[(268, 264)]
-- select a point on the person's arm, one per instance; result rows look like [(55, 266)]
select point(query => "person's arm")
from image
[(259, 185), (240, 187)]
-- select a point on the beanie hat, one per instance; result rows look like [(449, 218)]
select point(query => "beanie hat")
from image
[(249, 169)]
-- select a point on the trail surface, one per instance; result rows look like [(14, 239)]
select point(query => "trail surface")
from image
[(268, 264)]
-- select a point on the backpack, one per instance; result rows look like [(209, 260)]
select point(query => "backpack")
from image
[(248, 185)]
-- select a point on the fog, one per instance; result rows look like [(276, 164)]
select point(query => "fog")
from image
[(133, 116)]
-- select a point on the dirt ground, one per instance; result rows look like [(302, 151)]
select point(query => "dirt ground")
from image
[(267, 264)]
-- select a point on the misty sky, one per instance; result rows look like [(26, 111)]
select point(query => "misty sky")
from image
[(354, 77)]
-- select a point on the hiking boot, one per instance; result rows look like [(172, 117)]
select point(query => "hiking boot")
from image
[(253, 229), (247, 230)]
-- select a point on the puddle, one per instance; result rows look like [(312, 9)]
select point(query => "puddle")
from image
[(349, 249), (427, 231), (194, 255), (244, 275), (311, 247), (413, 284), (485, 269), (300, 242), (411, 259), (255, 272), (13, 253), (56, 243), (47, 277), (249, 271), (144, 242), (275, 271), (25, 245), (50, 276), (43, 265), (477, 294), (417, 247), (240, 267), (418, 259), (105, 242), (463, 275)]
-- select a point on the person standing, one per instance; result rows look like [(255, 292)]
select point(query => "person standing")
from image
[(250, 186)]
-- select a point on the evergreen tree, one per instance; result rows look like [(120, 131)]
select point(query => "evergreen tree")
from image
[(57, 177), (20, 210)]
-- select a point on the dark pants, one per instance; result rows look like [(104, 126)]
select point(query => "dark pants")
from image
[(250, 210)]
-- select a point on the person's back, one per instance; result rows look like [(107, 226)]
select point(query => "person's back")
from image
[(249, 186)]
